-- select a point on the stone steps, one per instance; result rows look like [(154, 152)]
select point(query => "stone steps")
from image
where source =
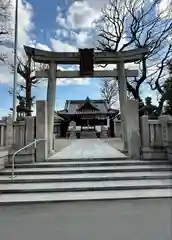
[(88, 134), (88, 163), (85, 186), (87, 159), (90, 169), (28, 198), (81, 177), (88, 179)]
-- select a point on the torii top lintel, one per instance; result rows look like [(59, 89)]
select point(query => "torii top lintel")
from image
[(42, 56)]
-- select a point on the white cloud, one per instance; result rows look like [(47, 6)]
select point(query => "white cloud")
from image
[(25, 22), (60, 46), (62, 33), (4, 112), (81, 15), (25, 26), (42, 47), (73, 81), (97, 4), (165, 7), (61, 20), (5, 75), (83, 40), (76, 26)]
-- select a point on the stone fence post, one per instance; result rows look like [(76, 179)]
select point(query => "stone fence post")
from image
[(30, 129), (30, 135), (2, 133), (9, 132), (166, 135), (154, 137), (117, 128), (164, 129), (144, 131)]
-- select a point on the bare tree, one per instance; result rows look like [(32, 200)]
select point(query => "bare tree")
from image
[(26, 69), (4, 18), (109, 90), (128, 24)]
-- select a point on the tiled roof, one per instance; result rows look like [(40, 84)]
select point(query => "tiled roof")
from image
[(72, 106), (57, 117)]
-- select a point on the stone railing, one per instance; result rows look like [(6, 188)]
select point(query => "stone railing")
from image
[(117, 128), (15, 135), (19, 134), (2, 133), (156, 137), (12, 134), (155, 133)]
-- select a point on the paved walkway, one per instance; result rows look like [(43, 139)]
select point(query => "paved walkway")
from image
[(88, 148), (105, 220)]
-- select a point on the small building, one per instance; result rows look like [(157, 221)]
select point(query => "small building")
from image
[(88, 114)]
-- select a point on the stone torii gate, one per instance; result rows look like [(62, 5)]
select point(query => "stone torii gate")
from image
[(55, 58)]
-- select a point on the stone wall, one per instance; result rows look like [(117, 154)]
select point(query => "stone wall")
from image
[(15, 135), (156, 137)]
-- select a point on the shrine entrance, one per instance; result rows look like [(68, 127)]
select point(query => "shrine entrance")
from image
[(92, 118), (86, 58)]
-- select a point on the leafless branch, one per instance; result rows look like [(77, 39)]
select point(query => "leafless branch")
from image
[(109, 90), (4, 18), (134, 23), (26, 69)]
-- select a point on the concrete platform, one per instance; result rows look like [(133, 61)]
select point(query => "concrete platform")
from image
[(99, 220), (88, 148)]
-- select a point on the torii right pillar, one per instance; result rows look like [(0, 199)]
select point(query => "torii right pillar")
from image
[(129, 117)]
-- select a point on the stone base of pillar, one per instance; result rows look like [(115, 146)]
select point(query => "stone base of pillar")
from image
[(30, 128), (133, 134), (51, 153), (41, 130), (124, 136)]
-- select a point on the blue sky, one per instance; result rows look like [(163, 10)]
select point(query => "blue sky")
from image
[(59, 25)]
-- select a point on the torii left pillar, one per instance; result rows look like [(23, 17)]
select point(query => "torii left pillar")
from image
[(51, 98)]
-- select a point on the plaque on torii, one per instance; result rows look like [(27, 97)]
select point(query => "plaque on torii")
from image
[(86, 62)]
